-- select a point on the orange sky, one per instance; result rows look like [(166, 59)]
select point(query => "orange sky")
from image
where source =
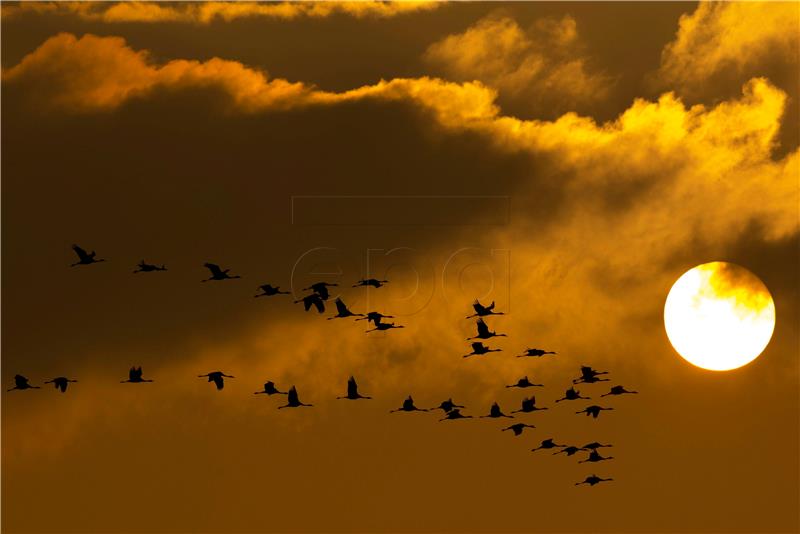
[(568, 160)]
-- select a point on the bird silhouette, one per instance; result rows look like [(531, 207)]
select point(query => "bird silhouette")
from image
[(455, 413), (312, 300), (293, 401), (591, 480), (594, 456), (593, 410), (547, 444), (536, 353), (408, 406), (528, 405), (447, 406), (479, 348), (321, 289), (267, 291), (20, 382), (385, 326), (483, 311), (85, 258), (352, 391), (269, 389), (569, 451), (375, 317), (144, 267), (60, 382), (618, 390), (589, 376), (517, 428), (524, 383), (217, 378), (342, 311), (217, 273), (495, 412), (594, 445), (135, 376), (484, 332), (370, 282), (572, 394)]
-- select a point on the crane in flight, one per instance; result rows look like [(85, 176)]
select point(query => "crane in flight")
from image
[(268, 290), (321, 289), (85, 258), (408, 406), (293, 400), (594, 456), (569, 451), (529, 405), (572, 394), (385, 326), (269, 389), (483, 311), (217, 273), (342, 311), (517, 428), (21, 382), (536, 353), (484, 332), (593, 410), (135, 376), (548, 444), (352, 391), (312, 300), (217, 377), (618, 390), (479, 349), (455, 413), (591, 480), (447, 405), (590, 376), (495, 412), (144, 267), (524, 383), (370, 282), (375, 317), (60, 382)]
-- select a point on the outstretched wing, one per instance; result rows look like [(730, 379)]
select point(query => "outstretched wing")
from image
[(317, 302), (214, 268), (135, 373), (352, 387), (20, 381), (341, 308), (483, 328), (490, 307), (82, 255), (477, 346)]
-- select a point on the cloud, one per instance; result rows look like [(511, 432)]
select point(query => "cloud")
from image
[(208, 12), (735, 37), (544, 66)]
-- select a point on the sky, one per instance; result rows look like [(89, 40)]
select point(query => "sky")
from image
[(569, 161)]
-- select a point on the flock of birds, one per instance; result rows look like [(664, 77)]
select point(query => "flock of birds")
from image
[(319, 296)]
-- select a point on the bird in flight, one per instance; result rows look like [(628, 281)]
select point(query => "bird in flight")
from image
[(455, 413), (342, 311), (135, 376), (60, 382), (312, 300), (594, 446), (517, 428), (20, 382), (293, 401), (217, 377), (84, 258), (594, 456), (385, 326), (144, 267), (593, 410), (528, 405), (547, 444), (483, 311), (321, 289), (370, 282), (618, 390), (375, 317), (269, 389), (536, 353), (484, 332), (591, 480), (479, 348), (589, 376), (268, 291), (217, 273), (524, 383), (572, 394), (352, 391), (569, 451), (408, 406), (495, 412), (447, 406)]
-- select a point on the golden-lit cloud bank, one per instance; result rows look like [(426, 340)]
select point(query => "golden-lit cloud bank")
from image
[(208, 12)]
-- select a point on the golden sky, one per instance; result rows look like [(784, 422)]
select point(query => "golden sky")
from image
[(568, 160)]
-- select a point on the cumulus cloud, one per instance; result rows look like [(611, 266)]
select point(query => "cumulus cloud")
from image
[(735, 37), (544, 66), (207, 12)]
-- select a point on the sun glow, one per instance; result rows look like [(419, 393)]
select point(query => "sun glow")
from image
[(719, 316)]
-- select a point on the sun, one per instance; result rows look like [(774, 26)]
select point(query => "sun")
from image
[(719, 316)]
